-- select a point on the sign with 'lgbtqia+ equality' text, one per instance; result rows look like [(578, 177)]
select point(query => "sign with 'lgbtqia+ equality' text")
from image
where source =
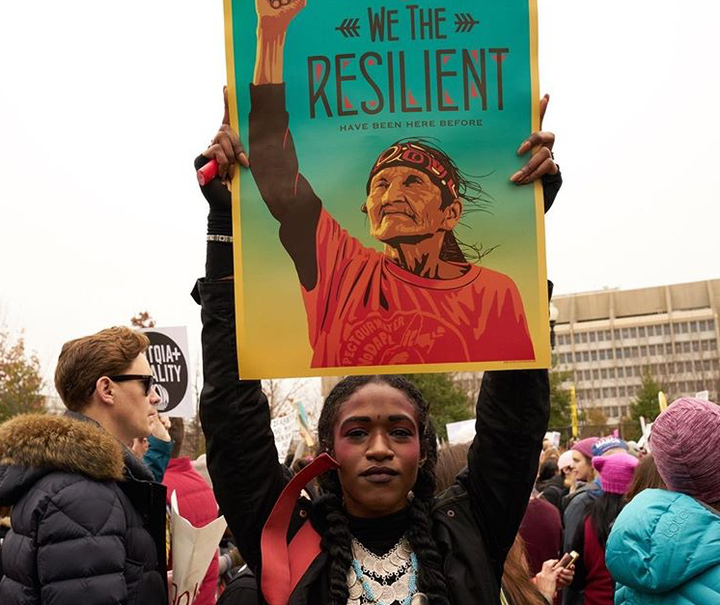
[(378, 229), (170, 365)]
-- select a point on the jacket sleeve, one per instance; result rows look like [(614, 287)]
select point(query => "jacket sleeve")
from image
[(513, 409), (235, 416), (80, 545), (158, 456)]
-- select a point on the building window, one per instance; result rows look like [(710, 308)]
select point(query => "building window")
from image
[(713, 344), (593, 355), (696, 345), (618, 353), (651, 350), (711, 324), (592, 336), (601, 354), (578, 357), (634, 351), (706, 364), (596, 373), (693, 326), (683, 327), (633, 332), (601, 336), (620, 372), (611, 372), (621, 391), (606, 393), (641, 331), (607, 335), (625, 333), (626, 352), (666, 329), (583, 337), (603, 373), (688, 366), (586, 356), (702, 325), (668, 348), (638, 371), (686, 347)]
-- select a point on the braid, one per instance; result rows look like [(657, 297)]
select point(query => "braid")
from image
[(336, 541), (431, 579)]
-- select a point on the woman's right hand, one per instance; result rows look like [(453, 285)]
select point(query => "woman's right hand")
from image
[(274, 16)]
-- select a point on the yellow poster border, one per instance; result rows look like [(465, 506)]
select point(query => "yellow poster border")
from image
[(543, 360)]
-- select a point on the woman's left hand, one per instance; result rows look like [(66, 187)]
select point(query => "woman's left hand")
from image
[(541, 162)]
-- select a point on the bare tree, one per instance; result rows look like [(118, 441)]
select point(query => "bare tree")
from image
[(282, 393)]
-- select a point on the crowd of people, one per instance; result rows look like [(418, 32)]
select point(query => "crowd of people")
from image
[(382, 513)]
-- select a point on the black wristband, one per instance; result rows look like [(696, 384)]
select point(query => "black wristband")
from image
[(219, 199)]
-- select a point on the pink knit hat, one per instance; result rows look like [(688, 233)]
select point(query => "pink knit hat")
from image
[(584, 446), (616, 471), (685, 442)]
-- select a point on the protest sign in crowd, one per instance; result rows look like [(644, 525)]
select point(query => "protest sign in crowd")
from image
[(337, 247)]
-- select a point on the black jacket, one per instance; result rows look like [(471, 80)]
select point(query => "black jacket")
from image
[(474, 522), (88, 522)]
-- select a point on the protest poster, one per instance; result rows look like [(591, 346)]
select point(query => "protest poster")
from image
[(377, 229), (192, 551), (284, 429), (170, 362), (462, 431)]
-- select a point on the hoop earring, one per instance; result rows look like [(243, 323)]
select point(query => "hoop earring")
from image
[(363, 208)]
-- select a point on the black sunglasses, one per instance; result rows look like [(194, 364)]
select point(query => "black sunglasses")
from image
[(148, 380)]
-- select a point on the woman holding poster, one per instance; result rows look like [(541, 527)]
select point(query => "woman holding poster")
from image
[(419, 300), (378, 534)]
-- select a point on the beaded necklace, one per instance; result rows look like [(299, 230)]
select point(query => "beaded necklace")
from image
[(382, 580)]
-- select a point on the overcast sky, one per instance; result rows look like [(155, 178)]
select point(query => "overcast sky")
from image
[(104, 105)]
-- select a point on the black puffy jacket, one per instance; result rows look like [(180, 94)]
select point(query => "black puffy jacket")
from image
[(88, 522)]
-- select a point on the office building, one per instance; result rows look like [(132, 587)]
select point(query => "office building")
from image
[(606, 339)]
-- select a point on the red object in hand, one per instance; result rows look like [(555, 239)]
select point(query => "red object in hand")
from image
[(207, 173)]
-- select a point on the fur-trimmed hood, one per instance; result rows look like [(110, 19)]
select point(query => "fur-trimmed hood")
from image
[(34, 445)]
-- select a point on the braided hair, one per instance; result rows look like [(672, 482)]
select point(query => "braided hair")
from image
[(336, 539)]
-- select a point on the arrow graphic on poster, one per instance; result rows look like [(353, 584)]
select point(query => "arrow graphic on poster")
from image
[(464, 22), (349, 28)]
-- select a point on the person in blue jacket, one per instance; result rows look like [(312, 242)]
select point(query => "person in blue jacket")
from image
[(664, 548)]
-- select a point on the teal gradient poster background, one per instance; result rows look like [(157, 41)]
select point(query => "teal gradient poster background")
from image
[(437, 43)]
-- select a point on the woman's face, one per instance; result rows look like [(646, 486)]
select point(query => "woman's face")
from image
[(583, 468), (377, 444), (403, 202)]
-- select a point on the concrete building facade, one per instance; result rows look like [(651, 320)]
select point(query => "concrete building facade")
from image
[(606, 339)]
